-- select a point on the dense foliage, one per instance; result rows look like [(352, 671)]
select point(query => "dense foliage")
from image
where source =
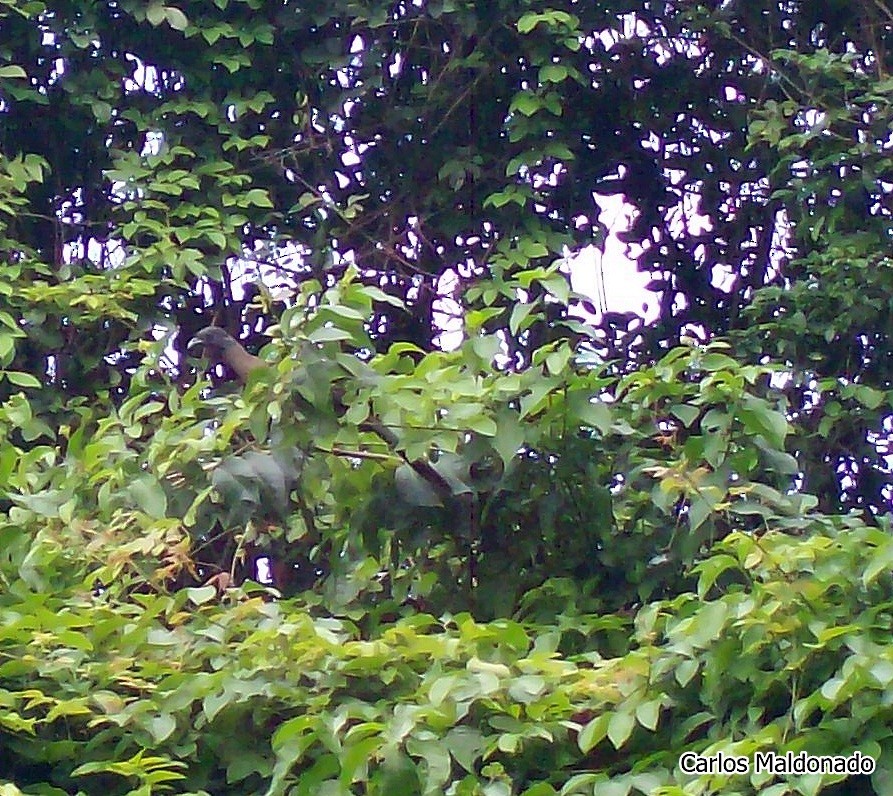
[(582, 545)]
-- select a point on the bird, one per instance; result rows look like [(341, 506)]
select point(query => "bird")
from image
[(222, 349)]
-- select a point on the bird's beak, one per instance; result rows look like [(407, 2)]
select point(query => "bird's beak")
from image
[(194, 345)]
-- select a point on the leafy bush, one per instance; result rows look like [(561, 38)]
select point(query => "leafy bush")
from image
[(248, 695), (553, 560)]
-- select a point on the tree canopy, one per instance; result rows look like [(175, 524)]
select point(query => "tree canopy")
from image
[(468, 532)]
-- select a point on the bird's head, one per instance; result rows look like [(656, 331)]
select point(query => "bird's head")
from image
[(214, 340)]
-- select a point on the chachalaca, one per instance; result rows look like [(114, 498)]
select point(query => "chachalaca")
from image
[(221, 348)]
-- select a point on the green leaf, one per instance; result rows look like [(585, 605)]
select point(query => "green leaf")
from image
[(711, 569), (162, 727), (699, 510), (620, 727), (21, 379), (558, 286), (436, 756), (648, 713), (685, 671), (149, 496), (526, 103), (175, 18), (509, 436), (553, 73), (591, 412), (258, 197), (686, 413), (880, 561), (870, 397), (527, 688), (482, 425), (356, 756), (540, 789), (715, 361), (759, 418), (155, 13), (398, 774), (707, 624), (466, 745), (201, 595), (533, 250), (592, 734), (528, 22), (522, 316), (329, 334)]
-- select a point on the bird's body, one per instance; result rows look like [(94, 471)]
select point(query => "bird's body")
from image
[(221, 348)]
